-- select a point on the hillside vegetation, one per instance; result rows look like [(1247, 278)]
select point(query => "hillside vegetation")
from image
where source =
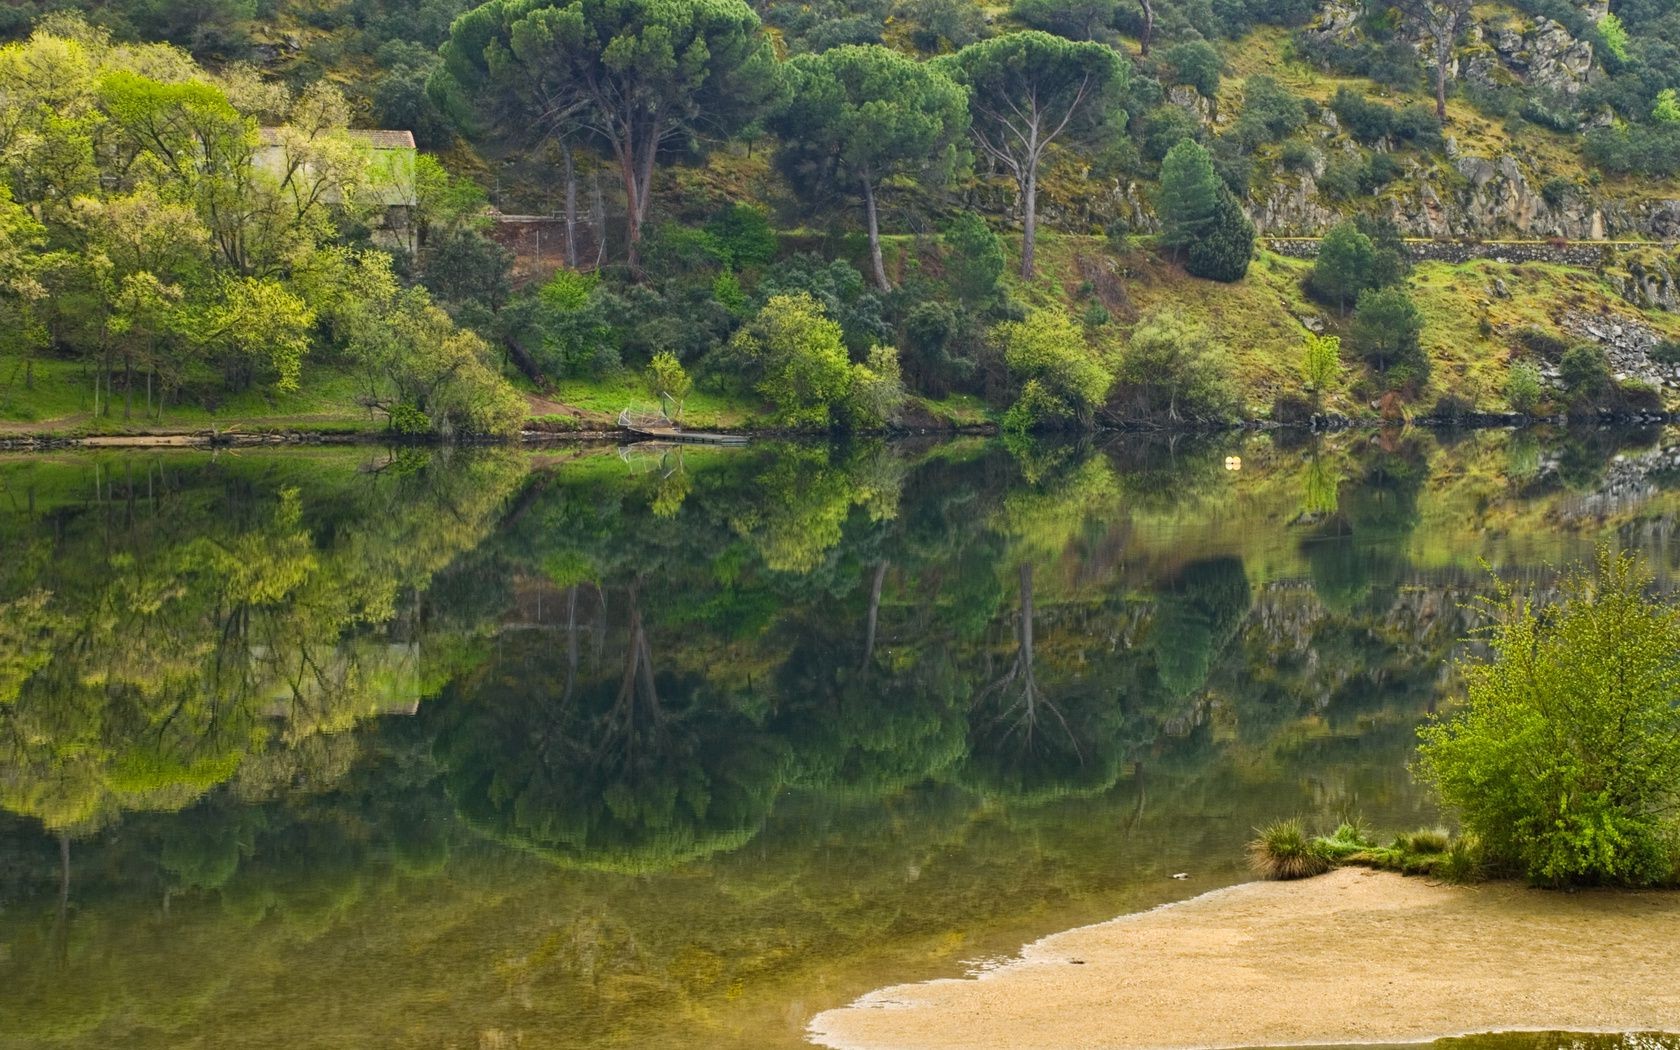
[(836, 215)]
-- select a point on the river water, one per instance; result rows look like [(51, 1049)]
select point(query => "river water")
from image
[(674, 748)]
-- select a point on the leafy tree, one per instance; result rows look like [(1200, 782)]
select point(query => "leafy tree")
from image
[(1060, 377), (1188, 203), (1223, 252), (1564, 758), (861, 116), (796, 359), (973, 260), (1346, 265), (744, 234), (645, 76), (1585, 371), (1270, 113), (1197, 63), (1522, 387), (666, 377), (1443, 22), (1667, 107), (1170, 368), (1386, 331), (1321, 362), (1078, 20), (1028, 91), (1614, 35)]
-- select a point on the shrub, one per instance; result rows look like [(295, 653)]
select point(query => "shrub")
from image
[(1345, 267), (1386, 332), (1564, 760), (877, 390), (1223, 252), (1541, 343), (1666, 352), (1321, 362), (1270, 112), (1197, 63), (666, 378), (1298, 155), (744, 236), (793, 351), (1169, 369), (1522, 387), (1060, 375), (1452, 408), (1365, 120), (1585, 371), (1284, 851), (973, 260)]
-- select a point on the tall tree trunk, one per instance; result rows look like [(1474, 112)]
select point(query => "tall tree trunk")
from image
[(571, 206), (128, 385), (1148, 25), (598, 218), (1442, 57), (874, 236), (874, 614), (1029, 218)]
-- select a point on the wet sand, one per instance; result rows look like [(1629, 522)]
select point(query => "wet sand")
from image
[(1352, 956)]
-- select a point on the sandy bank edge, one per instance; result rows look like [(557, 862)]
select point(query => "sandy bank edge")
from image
[(1410, 961)]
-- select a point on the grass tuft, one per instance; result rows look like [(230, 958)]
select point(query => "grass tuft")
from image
[(1283, 850)]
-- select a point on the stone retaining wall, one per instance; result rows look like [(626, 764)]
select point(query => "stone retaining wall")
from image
[(1574, 253)]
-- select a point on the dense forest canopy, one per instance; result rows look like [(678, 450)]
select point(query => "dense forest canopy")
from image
[(691, 152)]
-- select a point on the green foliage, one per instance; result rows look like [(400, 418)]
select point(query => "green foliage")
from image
[(1321, 362), (1197, 63), (1585, 371), (667, 379), (1076, 20), (1061, 378), (1170, 369), (796, 359), (1614, 36), (974, 260), (640, 74), (1188, 203), (1386, 331), (1346, 265), (1270, 113), (1564, 759), (876, 392), (1029, 91), (1283, 850), (1223, 251), (1523, 389), (856, 117), (743, 234), (1667, 107)]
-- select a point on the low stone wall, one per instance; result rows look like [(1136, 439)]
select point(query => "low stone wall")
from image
[(1573, 253)]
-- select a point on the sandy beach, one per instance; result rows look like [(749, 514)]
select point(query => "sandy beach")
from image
[(1352, 956)]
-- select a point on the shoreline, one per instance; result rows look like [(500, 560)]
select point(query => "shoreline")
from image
[(52, 441), (1353, 957)]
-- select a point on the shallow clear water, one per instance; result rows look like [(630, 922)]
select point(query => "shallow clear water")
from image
[(500, 749)]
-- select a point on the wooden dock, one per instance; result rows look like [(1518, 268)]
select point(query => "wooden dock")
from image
[(660, 428)]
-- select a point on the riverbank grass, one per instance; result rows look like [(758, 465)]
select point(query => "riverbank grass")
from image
[(1284, 850)]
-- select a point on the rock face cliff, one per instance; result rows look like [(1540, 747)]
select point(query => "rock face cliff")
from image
[(1452, 191)]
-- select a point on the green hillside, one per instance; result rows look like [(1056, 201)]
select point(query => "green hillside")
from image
[(194, 235)]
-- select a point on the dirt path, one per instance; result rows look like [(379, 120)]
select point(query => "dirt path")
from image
[(1353, 956)]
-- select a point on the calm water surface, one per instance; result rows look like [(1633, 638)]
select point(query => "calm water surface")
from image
[(497, 749)]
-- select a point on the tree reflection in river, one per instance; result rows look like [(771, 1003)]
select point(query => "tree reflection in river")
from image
[(567, 752)]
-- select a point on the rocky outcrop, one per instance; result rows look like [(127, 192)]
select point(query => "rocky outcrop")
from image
[(1544, 57), (1627, 344)]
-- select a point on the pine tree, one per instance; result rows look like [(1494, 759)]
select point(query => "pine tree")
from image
[(1189, 197)]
